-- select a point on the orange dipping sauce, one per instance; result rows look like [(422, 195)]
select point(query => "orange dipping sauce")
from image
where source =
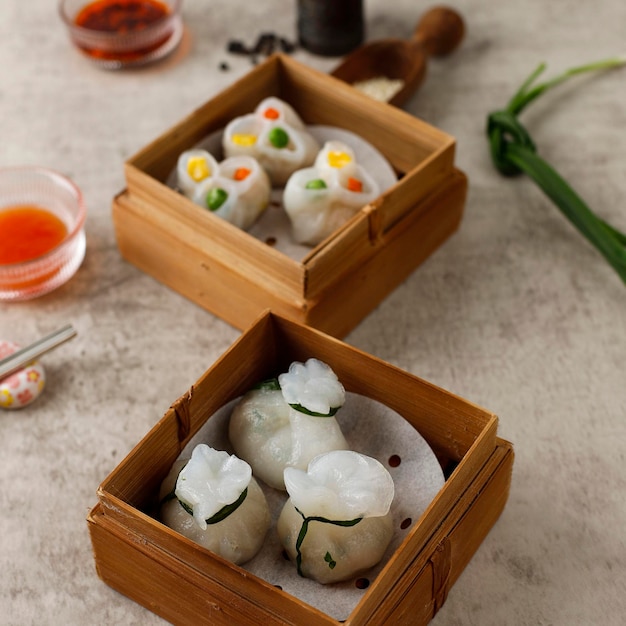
[(28, 232)]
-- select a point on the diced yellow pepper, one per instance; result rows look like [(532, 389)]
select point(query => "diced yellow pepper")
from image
[(198, 168), (338, 159), (244, 139)]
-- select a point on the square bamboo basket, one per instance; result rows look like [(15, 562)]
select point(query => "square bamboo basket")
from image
[(236, 276), (186, 584)]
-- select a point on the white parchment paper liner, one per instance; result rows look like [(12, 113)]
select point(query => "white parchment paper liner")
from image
[(370, 428), (274, 223)]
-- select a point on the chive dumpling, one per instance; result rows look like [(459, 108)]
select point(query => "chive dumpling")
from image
[(337, 522), (287, 421), (213, 499)]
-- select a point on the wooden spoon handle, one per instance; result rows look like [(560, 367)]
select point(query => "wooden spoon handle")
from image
[(439, 31)]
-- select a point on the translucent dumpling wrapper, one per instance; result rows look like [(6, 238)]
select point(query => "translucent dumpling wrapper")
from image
[(239, 193), (312, 385), (241, 136), (193, 168), (320, 199), (337, 522), (213, 500), (275, 136), (280, 161), (272, 427), (211, 480), (336, 160), (343, 485), (277, 110)]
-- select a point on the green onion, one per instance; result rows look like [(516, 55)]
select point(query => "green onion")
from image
[(302, 409), (514, 152), (223, 513), (304, 529), (271, 384), (328, 557)]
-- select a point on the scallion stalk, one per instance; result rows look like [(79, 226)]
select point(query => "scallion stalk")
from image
[(304, 529), (514, 152)]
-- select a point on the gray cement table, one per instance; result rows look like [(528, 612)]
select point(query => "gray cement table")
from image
[(516, 312)]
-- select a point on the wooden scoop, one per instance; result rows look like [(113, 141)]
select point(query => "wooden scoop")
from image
[(439, 32)]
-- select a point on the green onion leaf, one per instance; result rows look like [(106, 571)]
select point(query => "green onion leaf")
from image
[(224, 512), (514, 152), (329, 559), (304, 529), (302, 409), (271, 384)]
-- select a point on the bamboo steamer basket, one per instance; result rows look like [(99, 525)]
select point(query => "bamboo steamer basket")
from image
[(186, 584), (338, 282)]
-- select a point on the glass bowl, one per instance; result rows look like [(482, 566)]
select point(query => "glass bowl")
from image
[(57, 195), (120, 33)]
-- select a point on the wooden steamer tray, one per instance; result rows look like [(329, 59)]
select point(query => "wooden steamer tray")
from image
[(186, 584), (236, 276)]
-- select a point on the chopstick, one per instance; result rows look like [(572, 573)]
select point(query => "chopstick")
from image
[(16, 361)]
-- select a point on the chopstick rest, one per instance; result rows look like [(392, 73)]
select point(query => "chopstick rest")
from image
[(22, 377), (25, 385)]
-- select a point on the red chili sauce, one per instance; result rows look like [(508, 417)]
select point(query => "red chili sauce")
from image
[(122, 17)]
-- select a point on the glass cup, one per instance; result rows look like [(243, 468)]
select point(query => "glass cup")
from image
[(54, 193)]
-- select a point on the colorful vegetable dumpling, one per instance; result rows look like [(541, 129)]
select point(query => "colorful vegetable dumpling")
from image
[(273, 134), (287, 421), (320, 199), (239, 194), (237, 189), (337, 521), (194, 167), (214, 500)]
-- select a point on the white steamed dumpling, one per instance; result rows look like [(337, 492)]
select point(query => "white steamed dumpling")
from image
[(211, 480), (239, 192), (313, 385), (214, 500), (337, 522), (271, 434), (275, 136), (320, 199), (341, 484), (193, 168)]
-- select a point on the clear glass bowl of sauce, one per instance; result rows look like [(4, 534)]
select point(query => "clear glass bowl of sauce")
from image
[(121, 33), (42, 237)]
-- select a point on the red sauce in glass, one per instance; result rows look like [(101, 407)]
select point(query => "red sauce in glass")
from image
[(28, 232), (122, 17)]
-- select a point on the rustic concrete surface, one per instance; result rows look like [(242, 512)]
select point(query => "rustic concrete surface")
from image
[(516, 312)]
